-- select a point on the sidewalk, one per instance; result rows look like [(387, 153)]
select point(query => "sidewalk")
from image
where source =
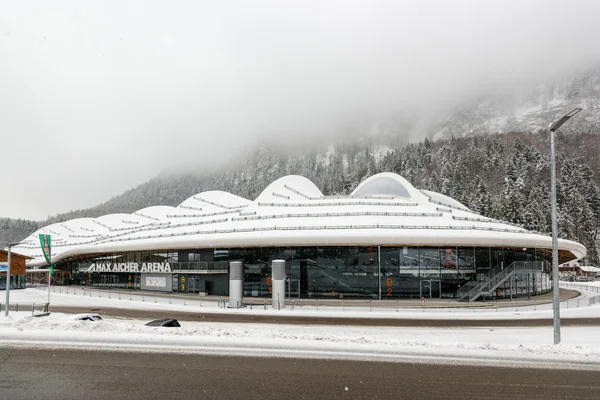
[(148, 295)]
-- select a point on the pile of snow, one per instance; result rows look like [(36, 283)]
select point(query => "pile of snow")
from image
[(573, 308), (581, 345)]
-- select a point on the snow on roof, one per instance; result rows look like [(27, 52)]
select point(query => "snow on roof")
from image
[(292, 188), (156, 212), (588, 268), (385, 209), (443, 199), (385, 183), (214, 200)]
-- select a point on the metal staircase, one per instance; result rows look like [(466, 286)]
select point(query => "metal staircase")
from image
[(487, 283)]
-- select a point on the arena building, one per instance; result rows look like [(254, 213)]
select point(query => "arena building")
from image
[(386, 240)]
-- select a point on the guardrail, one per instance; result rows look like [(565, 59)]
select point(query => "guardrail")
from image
[(343, 305), (496, 276), (36, 308), (128, 295)]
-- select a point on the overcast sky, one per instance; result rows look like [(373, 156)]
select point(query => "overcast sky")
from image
[(99, 96)]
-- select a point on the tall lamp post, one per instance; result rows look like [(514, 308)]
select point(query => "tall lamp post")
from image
[(7, 301), (555, 288)]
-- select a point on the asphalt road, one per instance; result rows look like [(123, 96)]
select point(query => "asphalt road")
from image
[(71, 374), (316, 320)]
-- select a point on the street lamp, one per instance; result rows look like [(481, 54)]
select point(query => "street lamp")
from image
[(555, 288), (8, 279)]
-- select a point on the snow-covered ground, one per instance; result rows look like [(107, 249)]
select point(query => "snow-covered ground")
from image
[(580, 346), (574, 308)]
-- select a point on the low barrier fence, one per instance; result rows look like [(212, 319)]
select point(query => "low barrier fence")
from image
[(129, 295), (34, 308), (430, 305)]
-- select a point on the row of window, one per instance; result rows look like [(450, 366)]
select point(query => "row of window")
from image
[(402, 257), (342, 271)]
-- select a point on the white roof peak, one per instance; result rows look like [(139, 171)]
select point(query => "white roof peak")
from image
[(386, 183)]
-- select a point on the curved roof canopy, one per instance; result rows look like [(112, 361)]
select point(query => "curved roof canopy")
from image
[(386, 184), (383, 210)]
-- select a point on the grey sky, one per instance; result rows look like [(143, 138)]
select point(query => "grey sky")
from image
[(97, 97)]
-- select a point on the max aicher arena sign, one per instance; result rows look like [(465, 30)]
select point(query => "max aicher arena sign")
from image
[(130, 267)]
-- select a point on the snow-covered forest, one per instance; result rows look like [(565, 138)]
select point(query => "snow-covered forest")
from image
[(504, 176)]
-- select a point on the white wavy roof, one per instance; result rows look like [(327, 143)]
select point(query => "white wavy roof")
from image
[(385, 209)]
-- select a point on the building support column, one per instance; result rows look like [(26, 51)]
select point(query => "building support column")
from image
[(278, 288), (236, 284)]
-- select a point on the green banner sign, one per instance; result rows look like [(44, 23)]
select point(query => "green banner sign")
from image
[(46, 244)]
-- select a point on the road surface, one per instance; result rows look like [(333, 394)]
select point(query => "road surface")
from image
[(72, 374), (317, 320)]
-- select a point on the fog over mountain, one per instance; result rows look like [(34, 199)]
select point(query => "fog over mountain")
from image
[(98, 97)]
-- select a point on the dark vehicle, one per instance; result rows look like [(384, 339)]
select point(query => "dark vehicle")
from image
[(170, 323), (88, 317)]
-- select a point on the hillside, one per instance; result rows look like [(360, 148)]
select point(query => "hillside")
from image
[(502, 176), (531, 110)]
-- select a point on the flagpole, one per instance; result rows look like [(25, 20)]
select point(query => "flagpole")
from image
[(49, 276)]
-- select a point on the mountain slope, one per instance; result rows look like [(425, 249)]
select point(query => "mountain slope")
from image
[(529, 111), (500, 176)]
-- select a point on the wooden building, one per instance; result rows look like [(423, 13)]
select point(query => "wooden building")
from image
[(17, 268)]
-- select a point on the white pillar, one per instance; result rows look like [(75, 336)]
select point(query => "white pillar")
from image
[(278, 284), (236, 284), (7, 301)]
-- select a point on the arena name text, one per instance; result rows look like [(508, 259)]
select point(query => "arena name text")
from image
[(130, 267)]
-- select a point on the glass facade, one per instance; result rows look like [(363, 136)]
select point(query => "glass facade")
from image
[(394, 272), (16, 281)]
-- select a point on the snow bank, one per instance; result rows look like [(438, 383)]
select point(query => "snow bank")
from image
[(508, 346), (574, 308)]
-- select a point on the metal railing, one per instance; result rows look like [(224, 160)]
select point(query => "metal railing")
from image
[(406, 306), (465, 291), (35, 308), (345, 214), (497, 276)]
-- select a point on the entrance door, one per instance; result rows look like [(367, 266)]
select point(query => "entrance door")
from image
[(293, 288), (431, 288)]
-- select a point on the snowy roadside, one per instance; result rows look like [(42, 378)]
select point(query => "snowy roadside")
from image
[(531, 347), (569, 309)]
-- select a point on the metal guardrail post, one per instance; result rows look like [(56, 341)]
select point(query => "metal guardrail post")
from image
[(155, 297), (17, 307)]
